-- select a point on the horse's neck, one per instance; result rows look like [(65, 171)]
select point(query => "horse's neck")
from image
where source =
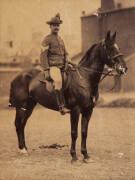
[(94, 73), (96, 69), (92, 58), (94, 64)]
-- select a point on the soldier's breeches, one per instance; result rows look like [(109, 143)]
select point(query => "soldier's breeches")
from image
[(55, 74)]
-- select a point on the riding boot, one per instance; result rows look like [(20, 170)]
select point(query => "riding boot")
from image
[(60, 101)]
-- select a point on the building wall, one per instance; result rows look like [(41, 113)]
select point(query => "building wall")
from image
[(122, 21), (128, 81), (90, 31)]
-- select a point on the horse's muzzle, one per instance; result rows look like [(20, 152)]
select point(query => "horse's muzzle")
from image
[(122, 70)]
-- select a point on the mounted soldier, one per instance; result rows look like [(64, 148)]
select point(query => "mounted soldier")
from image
[(79, 92), (54, 60)]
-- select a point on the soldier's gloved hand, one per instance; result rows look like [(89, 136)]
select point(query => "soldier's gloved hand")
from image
[(47, 74), (72, 65), (66, 66)]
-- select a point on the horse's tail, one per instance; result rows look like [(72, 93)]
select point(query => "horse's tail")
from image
[(19, 88), (12, 96), (18, 91)]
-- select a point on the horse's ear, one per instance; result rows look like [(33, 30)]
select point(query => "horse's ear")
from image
[(107, 39), (113, 37)]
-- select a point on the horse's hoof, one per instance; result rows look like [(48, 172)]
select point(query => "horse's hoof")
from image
[(74, 160), (88, 160), (23, 151)]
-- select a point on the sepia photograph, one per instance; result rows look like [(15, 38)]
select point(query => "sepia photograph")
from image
[(67, 89)]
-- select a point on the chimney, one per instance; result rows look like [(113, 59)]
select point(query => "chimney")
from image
[(107, 5)]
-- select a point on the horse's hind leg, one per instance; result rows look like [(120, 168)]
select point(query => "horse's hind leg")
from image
[(86, 114), (74, 118), (20, 122)]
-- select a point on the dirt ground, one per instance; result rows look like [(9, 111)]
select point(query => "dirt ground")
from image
[(111, 144)]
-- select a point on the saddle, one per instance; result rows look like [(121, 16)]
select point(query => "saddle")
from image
[(40, 80), (49, 83)]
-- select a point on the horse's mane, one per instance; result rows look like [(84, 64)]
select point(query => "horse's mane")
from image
[(87, 55)]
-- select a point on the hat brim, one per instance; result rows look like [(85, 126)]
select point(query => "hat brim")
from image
[(52, 22)]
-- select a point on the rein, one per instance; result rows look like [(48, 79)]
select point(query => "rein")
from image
[(109, 73), (93, 70)]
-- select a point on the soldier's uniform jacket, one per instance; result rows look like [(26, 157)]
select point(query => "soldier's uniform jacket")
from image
[(56, 53)]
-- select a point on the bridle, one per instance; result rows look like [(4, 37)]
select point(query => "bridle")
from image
[(109, 57), (112, 58), (115, 63)]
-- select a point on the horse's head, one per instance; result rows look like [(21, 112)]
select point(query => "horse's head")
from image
[(111, 54)]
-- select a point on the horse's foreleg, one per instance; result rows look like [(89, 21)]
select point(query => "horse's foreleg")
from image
[(20, 122), (84, 129), (74, 118)]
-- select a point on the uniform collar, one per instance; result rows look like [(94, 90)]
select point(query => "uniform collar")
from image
[(55, 34)]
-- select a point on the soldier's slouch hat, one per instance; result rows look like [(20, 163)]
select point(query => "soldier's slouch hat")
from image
[(55, 20)]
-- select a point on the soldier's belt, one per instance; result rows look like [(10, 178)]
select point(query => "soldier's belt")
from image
[(56, 64)]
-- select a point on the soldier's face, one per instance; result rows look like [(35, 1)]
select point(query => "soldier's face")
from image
[(55, 28)]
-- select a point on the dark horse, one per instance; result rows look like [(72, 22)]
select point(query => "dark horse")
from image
[(80, 91)]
